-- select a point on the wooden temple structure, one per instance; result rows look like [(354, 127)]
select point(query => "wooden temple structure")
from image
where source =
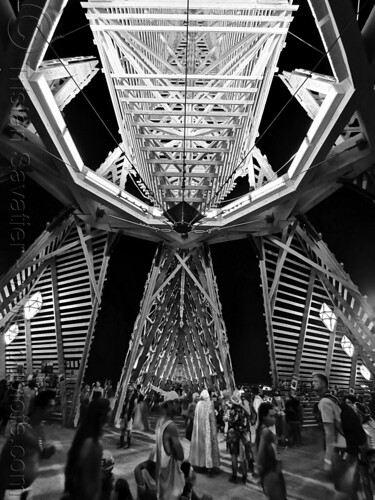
[(188, 82)]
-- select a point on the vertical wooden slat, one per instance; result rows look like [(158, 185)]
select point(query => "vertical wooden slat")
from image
[(29, 349), (331, 347), (59, 341), (353, 369), (305, 320), (268, 316)]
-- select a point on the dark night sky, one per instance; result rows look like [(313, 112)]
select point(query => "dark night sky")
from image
[(346, 219)]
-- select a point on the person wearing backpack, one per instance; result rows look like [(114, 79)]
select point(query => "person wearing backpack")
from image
[(345, 438), (330, 415)]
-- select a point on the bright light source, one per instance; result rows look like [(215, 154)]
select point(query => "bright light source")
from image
[(11, 334), (212, 213), (33, 305), (347, 346), (156, 212), (365, 372), (328, 317)]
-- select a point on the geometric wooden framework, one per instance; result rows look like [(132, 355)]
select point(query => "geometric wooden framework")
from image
[(299, 275), (189, 87), (180, 327), (67, 264)]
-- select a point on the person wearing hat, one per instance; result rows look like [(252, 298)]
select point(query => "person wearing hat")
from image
[(238, 437), (204, 449), (169, 452)]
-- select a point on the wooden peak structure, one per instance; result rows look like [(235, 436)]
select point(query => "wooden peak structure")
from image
[(188, 88), (179, 325)]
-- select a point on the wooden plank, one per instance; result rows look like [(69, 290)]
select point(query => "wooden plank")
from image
[(156, 16), (59, 341), (194, 89), (135, 339), (319, 268), (305, 319), (188, 126), (197, 100), (192, 29), (207, 297), (7, 301), (173, 5), (164, 336), (149, 337), (29, 348), (353, 369), (198, 187), (188, 137), (197, 150), (187, 174), (268, 318), (280, 265), (87, 334), (89, 261)]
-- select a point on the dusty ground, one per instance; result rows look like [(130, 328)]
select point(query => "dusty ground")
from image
[(302, 468)]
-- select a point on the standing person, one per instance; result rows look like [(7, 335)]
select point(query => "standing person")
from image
[(238, 438), (204, 448), (345, 463), (19, 460), (141, 414), (97, 391), (190, 415), (257, 399), (84, 402), (256, 402), (292, 417), (269, 465), (10, 397), (83, 472), (169, 453), (330, 415), (279, 405), (108, 390), (127, 415), (29, 394)]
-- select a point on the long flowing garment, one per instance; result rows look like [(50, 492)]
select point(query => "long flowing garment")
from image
[(141, 417), (204, 448), (169, 478)]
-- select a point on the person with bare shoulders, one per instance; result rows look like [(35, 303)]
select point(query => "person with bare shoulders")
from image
[(19, 460), (168, 452), (83, 472)]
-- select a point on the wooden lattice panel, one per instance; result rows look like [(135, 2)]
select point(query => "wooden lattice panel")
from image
[(188, 88), (300, 275), (73, 263), (179, 325)]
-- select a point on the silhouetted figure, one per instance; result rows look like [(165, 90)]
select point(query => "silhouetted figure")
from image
[(19, 460), (83, 472)]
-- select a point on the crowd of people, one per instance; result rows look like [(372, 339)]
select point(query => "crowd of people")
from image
[(255, 424)]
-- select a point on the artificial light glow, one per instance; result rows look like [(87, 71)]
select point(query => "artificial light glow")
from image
[(11, 334), (213, 212), (33, 305), (347, 346), (365, 372), (328, 317), (156, 212)]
